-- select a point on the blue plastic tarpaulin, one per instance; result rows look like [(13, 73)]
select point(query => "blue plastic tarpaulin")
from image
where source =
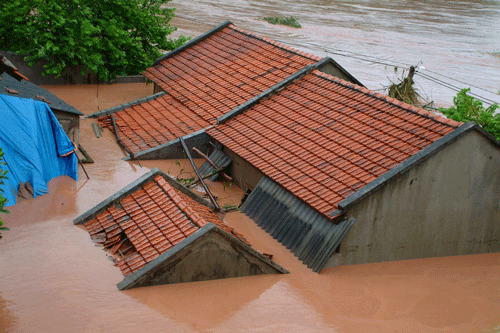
[(34, 145)]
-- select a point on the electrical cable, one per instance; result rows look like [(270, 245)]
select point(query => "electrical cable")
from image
[(385, 62)]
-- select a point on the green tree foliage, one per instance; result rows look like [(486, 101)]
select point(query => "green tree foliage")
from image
[(3, 200), (108, 37), (467, 108)]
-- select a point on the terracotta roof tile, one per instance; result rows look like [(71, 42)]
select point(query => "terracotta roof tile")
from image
[(148, 222), (203, 82), (323, 138)]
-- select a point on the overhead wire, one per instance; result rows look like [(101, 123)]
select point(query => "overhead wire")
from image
[(385, 62)]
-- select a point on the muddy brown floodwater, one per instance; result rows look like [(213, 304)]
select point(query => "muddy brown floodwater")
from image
[(457, 41), (53, 278)]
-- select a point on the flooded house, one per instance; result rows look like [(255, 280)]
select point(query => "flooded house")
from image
[(199, 82), (11, 84), (343, 175), (337, 173), (160, 232)]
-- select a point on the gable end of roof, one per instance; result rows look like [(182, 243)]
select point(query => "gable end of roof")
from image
[(409, 163)]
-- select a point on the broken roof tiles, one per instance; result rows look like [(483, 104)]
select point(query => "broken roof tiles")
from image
[(323, 138), (203, 81), (149, 221)]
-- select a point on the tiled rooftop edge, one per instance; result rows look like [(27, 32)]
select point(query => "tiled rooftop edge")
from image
[(269, 92), (149, 269), (192, 42), (275, 43), (134, 186), (418, 158), (166, 144), (29, 90), (387, 99), (125, 106)]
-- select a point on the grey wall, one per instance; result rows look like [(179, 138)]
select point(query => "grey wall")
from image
[(448, 205), (242, 171), (70, 124), (208, 254)]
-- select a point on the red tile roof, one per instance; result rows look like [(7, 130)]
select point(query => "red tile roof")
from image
[(323, 138), (148, 222), (205, 81)]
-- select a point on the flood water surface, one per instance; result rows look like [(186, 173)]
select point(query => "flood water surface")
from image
[(54, 279), (455, 39)]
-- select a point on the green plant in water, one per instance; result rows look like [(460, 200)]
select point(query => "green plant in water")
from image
[(289, 21), (467, 108), (3, 201), (186, 181)]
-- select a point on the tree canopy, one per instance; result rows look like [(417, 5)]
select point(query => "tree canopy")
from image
[(467, 108), (108, 37)]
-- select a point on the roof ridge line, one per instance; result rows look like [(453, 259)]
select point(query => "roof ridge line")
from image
[(124, 106), (395, 102), (192, 42), (134, 186), (267, 93), (407, 164), (185, 207), (275, 43)]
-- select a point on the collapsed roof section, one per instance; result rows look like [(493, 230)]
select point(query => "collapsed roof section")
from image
[(202, 80), (155, 215), (323, 138)]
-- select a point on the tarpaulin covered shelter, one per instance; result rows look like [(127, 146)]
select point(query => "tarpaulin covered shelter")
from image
[(36, 148)]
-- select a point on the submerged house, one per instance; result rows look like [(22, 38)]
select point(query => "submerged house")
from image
[(200, 82), (67, 115), (343, 175), (161, 233)]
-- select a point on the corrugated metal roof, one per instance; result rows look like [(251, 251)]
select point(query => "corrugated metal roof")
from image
[(308, 234), (220, 159)]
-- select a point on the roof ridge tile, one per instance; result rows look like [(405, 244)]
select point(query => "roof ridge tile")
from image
[(187, 209)]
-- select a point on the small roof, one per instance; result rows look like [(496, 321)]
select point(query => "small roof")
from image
[(323, 138), (146, 219), (204, 79), (25, 89)]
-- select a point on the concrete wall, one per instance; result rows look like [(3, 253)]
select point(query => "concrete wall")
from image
[(70, 124), (208, 254), (448, 205), (242, 171)]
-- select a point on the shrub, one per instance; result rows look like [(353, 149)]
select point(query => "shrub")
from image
[(289, 21), (467, 108)]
